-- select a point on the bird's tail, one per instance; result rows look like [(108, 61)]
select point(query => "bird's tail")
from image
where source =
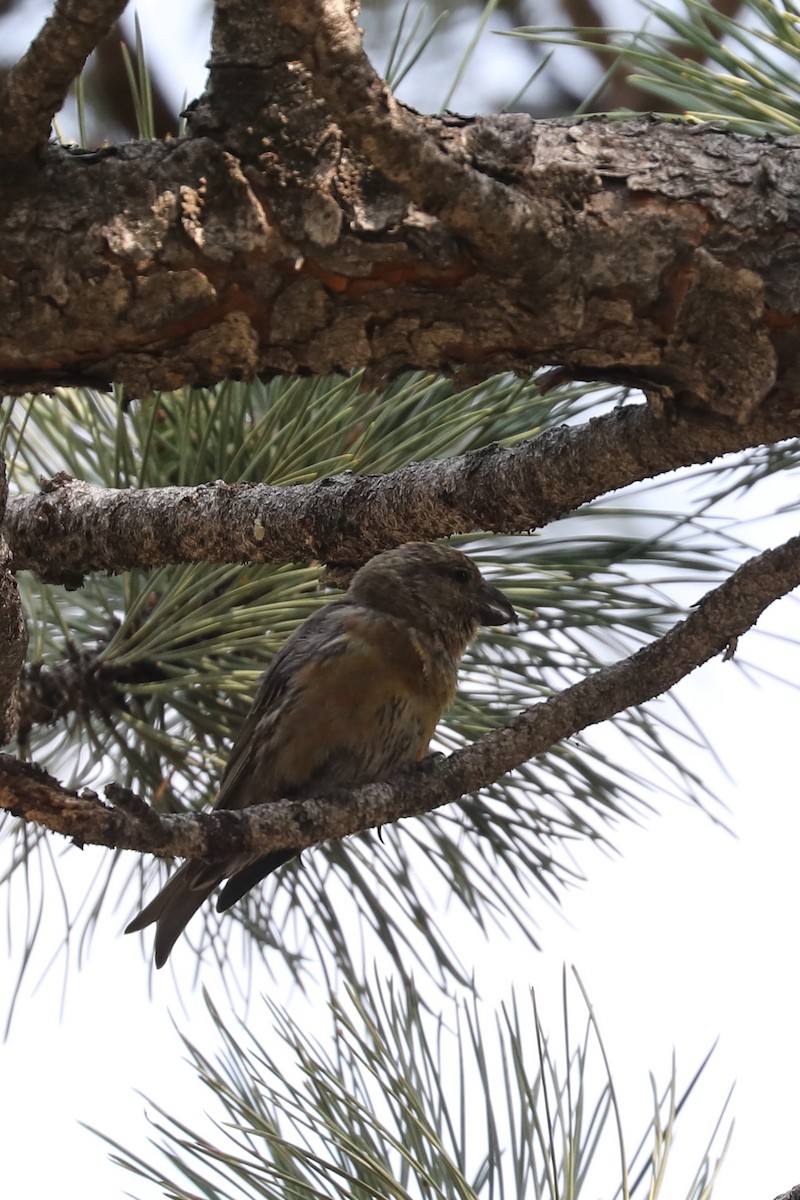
[(241, 881), (175, 905)]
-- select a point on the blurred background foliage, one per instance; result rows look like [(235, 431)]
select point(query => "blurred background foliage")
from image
[(442, 55), (145, 678)]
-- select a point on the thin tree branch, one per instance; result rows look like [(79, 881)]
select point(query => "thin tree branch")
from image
[(73, 527), (35, 88), (723, 615), (83, 682)]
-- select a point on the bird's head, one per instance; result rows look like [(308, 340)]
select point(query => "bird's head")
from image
[(435, 588)]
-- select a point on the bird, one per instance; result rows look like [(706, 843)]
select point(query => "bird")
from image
[(355, 691)]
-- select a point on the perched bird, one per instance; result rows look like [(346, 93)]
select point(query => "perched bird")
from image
[(356, 690)]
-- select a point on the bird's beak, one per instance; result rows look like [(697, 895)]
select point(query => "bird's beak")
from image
[(494, 607)]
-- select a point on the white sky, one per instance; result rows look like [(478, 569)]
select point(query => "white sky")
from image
[(690, 934)]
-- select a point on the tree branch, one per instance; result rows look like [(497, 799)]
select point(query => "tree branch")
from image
[(83, 682), (71, 527), (404, 146), (13, 644), (13, 632), (723, 615), (36, 87), (165, 263)]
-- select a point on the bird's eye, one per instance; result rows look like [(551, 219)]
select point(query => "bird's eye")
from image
[(461, 574)]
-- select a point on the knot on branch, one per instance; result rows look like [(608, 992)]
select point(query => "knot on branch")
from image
[(723, 339)]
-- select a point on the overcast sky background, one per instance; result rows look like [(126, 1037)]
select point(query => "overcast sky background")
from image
[(689, 934)]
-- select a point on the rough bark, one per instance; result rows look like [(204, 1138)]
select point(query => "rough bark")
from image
[(72, 527), (663, 258), (13, 632), (83, 682), (14, 642), (713, 627), (311, 224)]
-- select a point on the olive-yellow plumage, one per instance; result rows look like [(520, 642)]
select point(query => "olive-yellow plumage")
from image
[(356, 690)]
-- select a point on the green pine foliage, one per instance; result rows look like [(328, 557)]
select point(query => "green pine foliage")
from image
[(402, 1102), (739, 70), (179, 650), (398, 1101)]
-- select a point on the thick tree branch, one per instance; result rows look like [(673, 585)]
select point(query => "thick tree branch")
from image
[(643, 251), (181, 262), (72, 527), (36, 87), (722, 616)]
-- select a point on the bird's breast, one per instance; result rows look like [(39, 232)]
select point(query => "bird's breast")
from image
[(366, 708)]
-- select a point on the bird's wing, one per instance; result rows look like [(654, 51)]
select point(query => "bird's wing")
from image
[(321, 637)]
